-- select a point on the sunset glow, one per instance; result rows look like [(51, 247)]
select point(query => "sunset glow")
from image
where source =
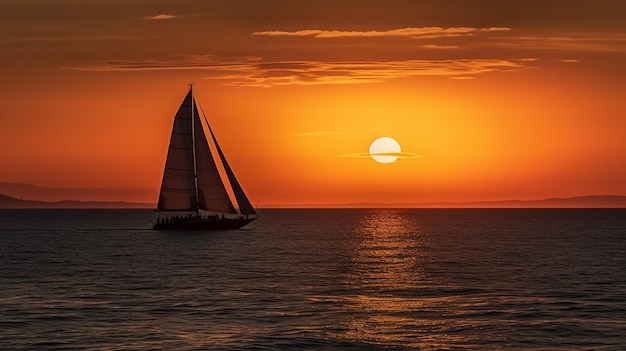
[(489, 102)]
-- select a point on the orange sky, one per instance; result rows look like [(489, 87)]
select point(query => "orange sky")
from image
[(505, 100)]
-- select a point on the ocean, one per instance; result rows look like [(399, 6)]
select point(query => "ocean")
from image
[(316, 279)]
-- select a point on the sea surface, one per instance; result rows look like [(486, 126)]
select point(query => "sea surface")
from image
[(349, 279)]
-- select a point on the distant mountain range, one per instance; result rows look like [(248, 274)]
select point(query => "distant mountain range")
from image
[(7, 202), (114, 194), (17, 195), (590, 201)]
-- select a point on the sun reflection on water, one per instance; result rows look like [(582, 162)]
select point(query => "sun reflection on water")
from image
[(390, 301), (386, 250)]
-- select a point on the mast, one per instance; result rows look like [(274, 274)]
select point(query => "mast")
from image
[(193, 151)]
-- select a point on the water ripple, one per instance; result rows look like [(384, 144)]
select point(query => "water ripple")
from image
[(316, 280)]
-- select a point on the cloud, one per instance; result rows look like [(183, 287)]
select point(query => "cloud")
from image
[(355, 72), (396, 154), (440, 47), (592, 42), (615, 42), (569, 60), (180, 62), (159, 17), (411, 32), (254, 71)]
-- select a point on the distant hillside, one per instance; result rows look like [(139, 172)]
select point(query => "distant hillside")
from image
[(7, 202), (41, 193), (591, 201), (11, 195)]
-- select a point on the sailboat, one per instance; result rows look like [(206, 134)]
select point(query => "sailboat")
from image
[(197, 179)]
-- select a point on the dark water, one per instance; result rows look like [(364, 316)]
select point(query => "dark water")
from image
[(480, 279)]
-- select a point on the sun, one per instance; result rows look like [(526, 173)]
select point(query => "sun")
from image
[(385, 150)]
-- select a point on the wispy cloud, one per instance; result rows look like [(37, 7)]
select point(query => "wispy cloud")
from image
[(254, 71), (440, 47), (316, 72), (396, 154), (411, 32), (607, 42), (506, 38), (159, 17)]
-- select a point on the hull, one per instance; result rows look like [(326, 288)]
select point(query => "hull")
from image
[(203, 224)]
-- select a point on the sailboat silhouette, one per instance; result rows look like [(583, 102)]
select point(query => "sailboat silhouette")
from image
[(193, 185)]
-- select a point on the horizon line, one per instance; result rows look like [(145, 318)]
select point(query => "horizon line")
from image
[(582, 201)]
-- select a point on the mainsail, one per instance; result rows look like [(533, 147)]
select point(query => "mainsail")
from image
[(191, 179)]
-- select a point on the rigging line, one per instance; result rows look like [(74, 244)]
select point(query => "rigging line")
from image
[(193, 147)]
